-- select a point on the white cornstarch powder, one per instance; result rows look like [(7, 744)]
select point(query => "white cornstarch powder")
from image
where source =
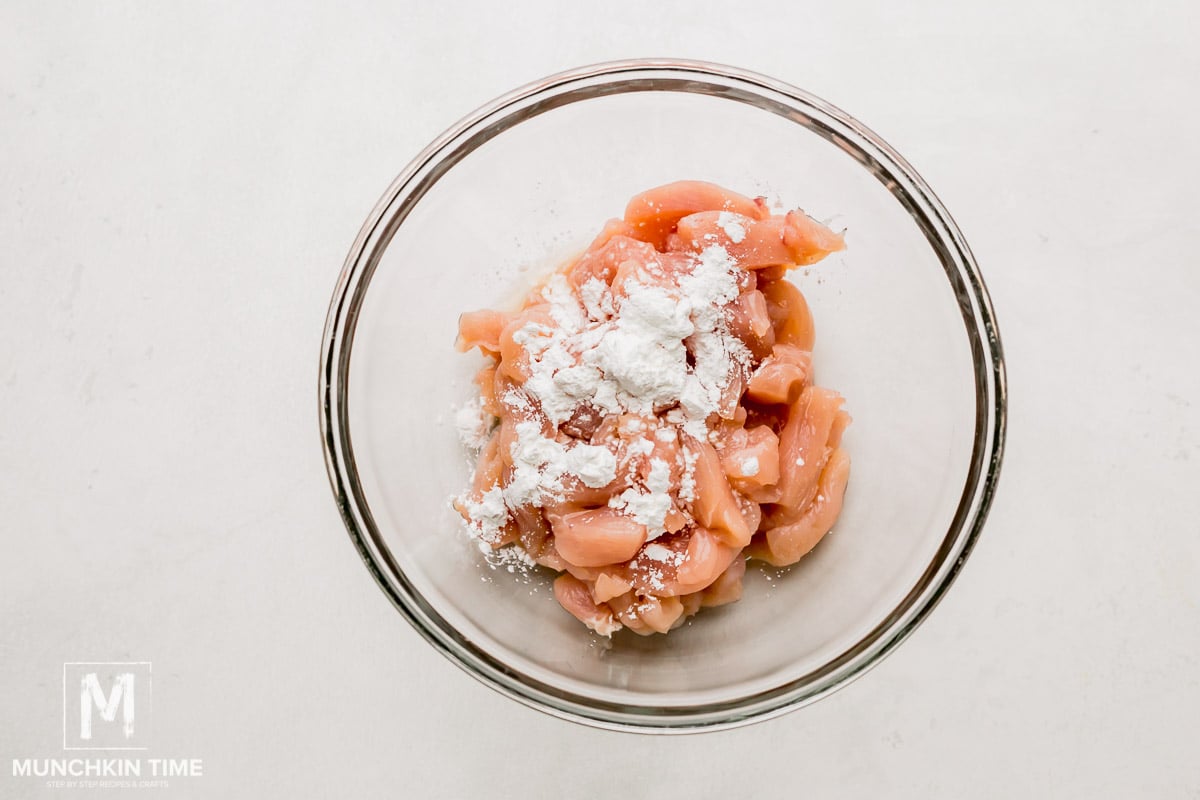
[(656, 552), (511, 559), (732, 226), (643, 351), (472, 424), (716, 352), (489, 515), (597, 299), (596, 467), (540, 465), (640, 447), (650, 346), (649, 507), (637, 360), (687, 484)]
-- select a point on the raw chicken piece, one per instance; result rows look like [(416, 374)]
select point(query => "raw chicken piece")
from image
[(781, 376), (481, 329), (802, 445), (787, 544), (573, 595), (607, 586), (707, 557), (752, 463), (794, 239), (750, 321), (646, 614), (727, 588), (598, 537), (653, 214), (789, 312), (601, 263), (528, 326), (715, 507)]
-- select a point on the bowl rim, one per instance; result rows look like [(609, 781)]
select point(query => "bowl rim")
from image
[(655, 74)]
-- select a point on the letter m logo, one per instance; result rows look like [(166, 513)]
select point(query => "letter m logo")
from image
[(122, 689), (106, 705)]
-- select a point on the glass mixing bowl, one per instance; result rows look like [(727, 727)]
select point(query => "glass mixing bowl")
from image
[(905, 331)]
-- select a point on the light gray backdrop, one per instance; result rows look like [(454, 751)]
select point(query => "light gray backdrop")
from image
[(180, 183)]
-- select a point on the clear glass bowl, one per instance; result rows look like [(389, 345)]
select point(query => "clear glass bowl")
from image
[(905, 331)]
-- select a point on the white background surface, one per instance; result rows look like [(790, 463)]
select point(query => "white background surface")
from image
[(180, 186)]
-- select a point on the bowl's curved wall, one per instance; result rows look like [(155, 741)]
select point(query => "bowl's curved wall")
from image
[(904, 331)]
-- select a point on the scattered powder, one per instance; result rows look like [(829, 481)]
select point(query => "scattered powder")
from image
[(565, 307), (732, 226), (626, 355), (512, 559), (649, 507), (594, 466), (579, 381), (532, 453), (642, 352), (541, 463), (638, 361), (632, 425), (640, 447), (716, 352), (535, 338), (597, 300), (517, 399), (472, 424), (548, 357), (656, 552), (488, 516), (696, 428), (659, 556), (712, 283), (687, 483), (659, 479), (750, 466)]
